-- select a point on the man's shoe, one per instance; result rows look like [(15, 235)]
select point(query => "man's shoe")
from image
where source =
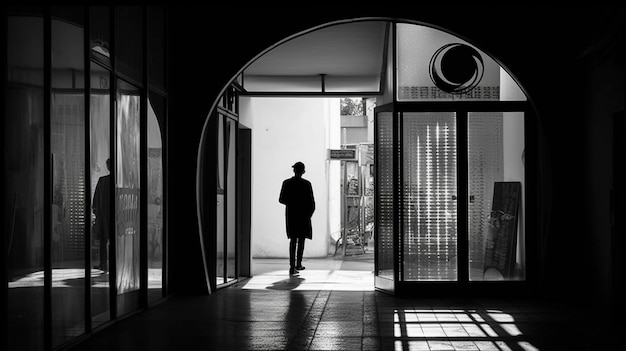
[(293, 271), (300, 268)]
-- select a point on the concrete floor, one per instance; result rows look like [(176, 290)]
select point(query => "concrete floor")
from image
[(332, 305)]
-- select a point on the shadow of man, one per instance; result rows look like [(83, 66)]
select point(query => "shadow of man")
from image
[(287, 284)]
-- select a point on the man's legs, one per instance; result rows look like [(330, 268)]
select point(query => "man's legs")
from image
[(300, 253), (292, 255)]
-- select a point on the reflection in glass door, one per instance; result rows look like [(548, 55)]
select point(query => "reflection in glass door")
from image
[(68, 203), (101, 167), (23, 202), (127, 205)]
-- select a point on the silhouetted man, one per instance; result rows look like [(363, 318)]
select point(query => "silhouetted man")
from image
[(102, 210), (297, 196)]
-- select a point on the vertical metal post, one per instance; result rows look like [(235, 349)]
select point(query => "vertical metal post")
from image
[(344, 207), (113, 171), (143, 179), (4, 340), (462, 198), (397, 224), (87, 146), (48, 182)]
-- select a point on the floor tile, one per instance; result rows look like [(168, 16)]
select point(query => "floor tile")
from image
[(321, 310)]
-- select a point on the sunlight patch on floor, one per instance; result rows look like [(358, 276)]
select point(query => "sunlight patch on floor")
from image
[(336, 280)]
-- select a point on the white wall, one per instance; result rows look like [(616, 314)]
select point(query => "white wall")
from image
[(513, 144), (284, 131)]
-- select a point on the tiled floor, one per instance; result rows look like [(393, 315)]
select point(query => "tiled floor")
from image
[(332, 306)]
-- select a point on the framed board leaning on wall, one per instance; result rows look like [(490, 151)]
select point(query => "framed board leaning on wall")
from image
[(501, 240)]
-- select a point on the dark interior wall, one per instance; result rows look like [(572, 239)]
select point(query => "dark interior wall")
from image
[(604, 89), (550, 50)]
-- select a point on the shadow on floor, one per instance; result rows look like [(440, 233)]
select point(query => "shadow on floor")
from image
[(273, 311)]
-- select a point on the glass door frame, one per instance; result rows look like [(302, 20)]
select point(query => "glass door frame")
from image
[(386, 284), (218, 282), (462, 286)]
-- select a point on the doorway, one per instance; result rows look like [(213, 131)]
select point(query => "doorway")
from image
[(286, 130)]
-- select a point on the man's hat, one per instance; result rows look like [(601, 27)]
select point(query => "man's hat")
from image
[(298, 166)]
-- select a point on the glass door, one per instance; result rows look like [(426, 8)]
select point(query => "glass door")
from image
[(450, 202), (127, 194), (416, 198), (384, 214), (428, 200)]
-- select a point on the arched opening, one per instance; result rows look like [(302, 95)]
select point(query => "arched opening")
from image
[(448, 133)]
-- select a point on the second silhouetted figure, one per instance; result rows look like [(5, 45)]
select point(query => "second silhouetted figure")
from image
[(297, 196)]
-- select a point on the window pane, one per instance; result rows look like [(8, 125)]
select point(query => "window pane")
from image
[(23, 184), (67, 144), (100, 133), (155, 199), (129, 41), (219, 233), (429, 208), (231, 192), (127, 207), (100, 25), (384, 194), (426, 55), (156, 46), (496, 200)]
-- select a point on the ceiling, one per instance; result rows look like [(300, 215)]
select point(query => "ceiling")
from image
[(353, 49)]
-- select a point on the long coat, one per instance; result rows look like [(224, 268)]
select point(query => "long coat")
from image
[(101, 207), (297, 196)]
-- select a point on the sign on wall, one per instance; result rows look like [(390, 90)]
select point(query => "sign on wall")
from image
[(342, 154)]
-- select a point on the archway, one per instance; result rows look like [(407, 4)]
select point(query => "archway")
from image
[(484, 86)]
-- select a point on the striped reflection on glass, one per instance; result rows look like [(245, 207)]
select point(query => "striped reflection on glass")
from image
[(429, 188)]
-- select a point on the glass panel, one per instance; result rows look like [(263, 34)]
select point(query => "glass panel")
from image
[(100, 26), (129, 40), (384, 195), (23, 184), (496, 197), (219, 233), (389, 88), (155, 199), (127, 177), (429, 208), (231, 193), (509, 89), (100, 133), (156, 46), (67, 145), (367, 163), (436, 66)]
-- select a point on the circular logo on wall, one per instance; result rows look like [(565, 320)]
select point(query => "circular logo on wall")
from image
[(456, 68)]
